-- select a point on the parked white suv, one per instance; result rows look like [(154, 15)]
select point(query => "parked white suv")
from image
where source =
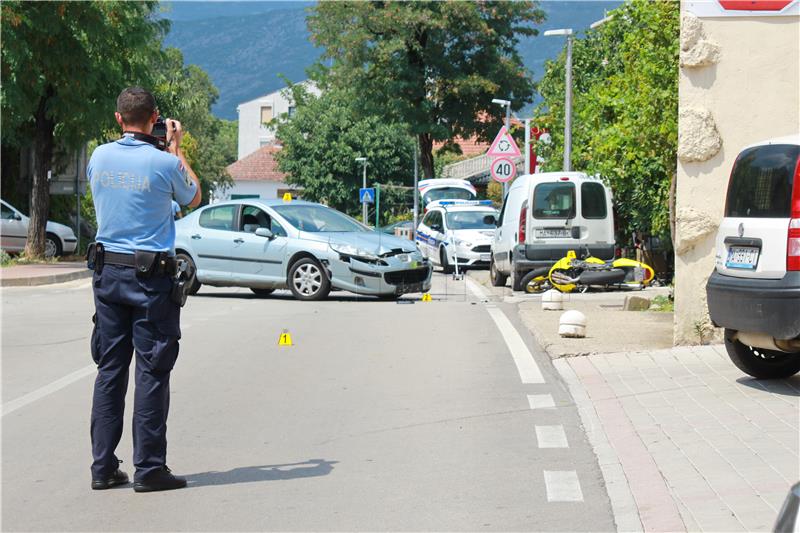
[(754, 291), (546, 215)]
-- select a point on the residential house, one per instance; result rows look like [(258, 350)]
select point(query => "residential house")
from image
[(256, 113)]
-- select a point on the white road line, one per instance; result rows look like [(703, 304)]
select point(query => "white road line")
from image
[(551, 437), (22, 401), (526, 365), (563, 486), (475, 289), (541, 401)]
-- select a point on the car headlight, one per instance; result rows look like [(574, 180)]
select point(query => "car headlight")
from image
[(460, 242), (353, 251)]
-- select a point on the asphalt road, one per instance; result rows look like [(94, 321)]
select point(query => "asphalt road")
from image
[(381, 416)]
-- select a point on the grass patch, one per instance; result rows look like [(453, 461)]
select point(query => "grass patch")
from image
[(662, 304)]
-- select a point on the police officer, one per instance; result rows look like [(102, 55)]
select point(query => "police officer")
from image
[(133, 183)]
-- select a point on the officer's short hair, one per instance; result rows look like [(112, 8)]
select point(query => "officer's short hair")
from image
[(135, 105)]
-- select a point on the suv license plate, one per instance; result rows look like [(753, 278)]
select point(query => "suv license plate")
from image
[(552, 233), (743, 257)]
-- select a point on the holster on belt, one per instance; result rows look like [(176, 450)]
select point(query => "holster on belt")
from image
[(95, 256)]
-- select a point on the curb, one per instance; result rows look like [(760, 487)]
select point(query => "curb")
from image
[(45, 280)]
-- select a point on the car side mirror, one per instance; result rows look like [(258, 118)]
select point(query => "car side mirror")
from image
[(489, 220), (17, 216), (436, 227), (265, 232)]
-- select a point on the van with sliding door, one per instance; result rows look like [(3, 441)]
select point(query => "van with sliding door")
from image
[(754, 290), (546, 215)]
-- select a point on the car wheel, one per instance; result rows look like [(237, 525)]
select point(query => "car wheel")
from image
[(262, 292), (52, 246), (497, 278), (308, 281), (761, 363), (191, 273), (447, 268)]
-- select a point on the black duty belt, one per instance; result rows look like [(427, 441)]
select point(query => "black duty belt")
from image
[(113, 258), (157, 263)]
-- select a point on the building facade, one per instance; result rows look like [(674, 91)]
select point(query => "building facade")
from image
[(256, 113), (739, 84)]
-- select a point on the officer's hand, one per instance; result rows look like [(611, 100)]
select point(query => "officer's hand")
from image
[(174, 135)]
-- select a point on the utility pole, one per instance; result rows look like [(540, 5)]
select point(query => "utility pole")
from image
[(566, 32), (416, 193), (363, 186)]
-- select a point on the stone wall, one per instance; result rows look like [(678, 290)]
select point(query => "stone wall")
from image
[(739, 84)]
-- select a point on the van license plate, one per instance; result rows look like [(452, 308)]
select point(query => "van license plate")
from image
[(743, 257), (552, 233)]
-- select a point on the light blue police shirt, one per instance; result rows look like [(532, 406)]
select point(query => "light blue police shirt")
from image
[(133, 184)]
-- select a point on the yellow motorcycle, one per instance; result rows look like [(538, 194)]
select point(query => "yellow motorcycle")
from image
[(570, 273)]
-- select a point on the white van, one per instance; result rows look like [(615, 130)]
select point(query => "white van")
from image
[(546, 215), (434, 190), (754, 291)]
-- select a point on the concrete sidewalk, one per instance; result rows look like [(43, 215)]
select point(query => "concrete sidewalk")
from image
[(686, 441), (42, 274)]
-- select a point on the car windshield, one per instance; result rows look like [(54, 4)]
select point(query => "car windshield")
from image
[(469, 219), (318, 219), (447, 193)]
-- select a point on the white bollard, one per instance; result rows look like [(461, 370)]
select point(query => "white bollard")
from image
[(553, 300), (572, 324)]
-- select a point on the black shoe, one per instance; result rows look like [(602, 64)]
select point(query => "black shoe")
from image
[(159, 480), (117, 478)]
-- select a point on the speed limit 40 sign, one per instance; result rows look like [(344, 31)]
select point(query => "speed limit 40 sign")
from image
[(503, 169)]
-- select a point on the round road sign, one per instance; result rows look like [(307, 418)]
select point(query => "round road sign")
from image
[(503, 169)]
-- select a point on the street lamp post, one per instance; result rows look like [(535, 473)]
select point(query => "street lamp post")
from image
[(566, 32), (507, 104), (364, 186)]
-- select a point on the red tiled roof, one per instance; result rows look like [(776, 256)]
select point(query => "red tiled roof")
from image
[(472, 147), (258, 166)]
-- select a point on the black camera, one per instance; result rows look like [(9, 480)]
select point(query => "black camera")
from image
[(160, 128)]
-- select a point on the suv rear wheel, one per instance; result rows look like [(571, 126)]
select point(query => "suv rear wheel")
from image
[(761, 363)]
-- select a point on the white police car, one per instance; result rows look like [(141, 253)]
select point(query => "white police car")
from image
[(458, 230)]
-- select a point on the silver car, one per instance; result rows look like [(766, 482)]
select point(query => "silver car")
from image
[(59, 239), (305, 247)]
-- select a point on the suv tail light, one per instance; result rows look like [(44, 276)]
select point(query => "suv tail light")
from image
[(523, 215), (793, 244)]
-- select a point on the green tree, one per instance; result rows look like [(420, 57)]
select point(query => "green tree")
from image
[(432, 65), (62, 66), (186, 93), (322, 140), (625, 114)]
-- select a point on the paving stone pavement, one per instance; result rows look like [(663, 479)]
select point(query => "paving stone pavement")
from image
[(703, 447)]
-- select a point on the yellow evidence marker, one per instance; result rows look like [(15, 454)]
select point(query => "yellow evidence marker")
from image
[(426, 297), (287, 197), (285, 339)]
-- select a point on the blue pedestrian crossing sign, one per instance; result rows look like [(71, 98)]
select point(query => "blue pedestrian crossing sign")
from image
[(367, 196)]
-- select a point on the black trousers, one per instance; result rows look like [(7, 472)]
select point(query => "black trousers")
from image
[(132, 314)]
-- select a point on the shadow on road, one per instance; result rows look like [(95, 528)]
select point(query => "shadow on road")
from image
[(785, 387), (250, 474), (287, 297)]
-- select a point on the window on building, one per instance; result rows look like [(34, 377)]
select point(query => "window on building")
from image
[(266, 114), (292, 110)]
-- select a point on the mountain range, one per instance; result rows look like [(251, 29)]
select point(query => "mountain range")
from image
[(247, 46)]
